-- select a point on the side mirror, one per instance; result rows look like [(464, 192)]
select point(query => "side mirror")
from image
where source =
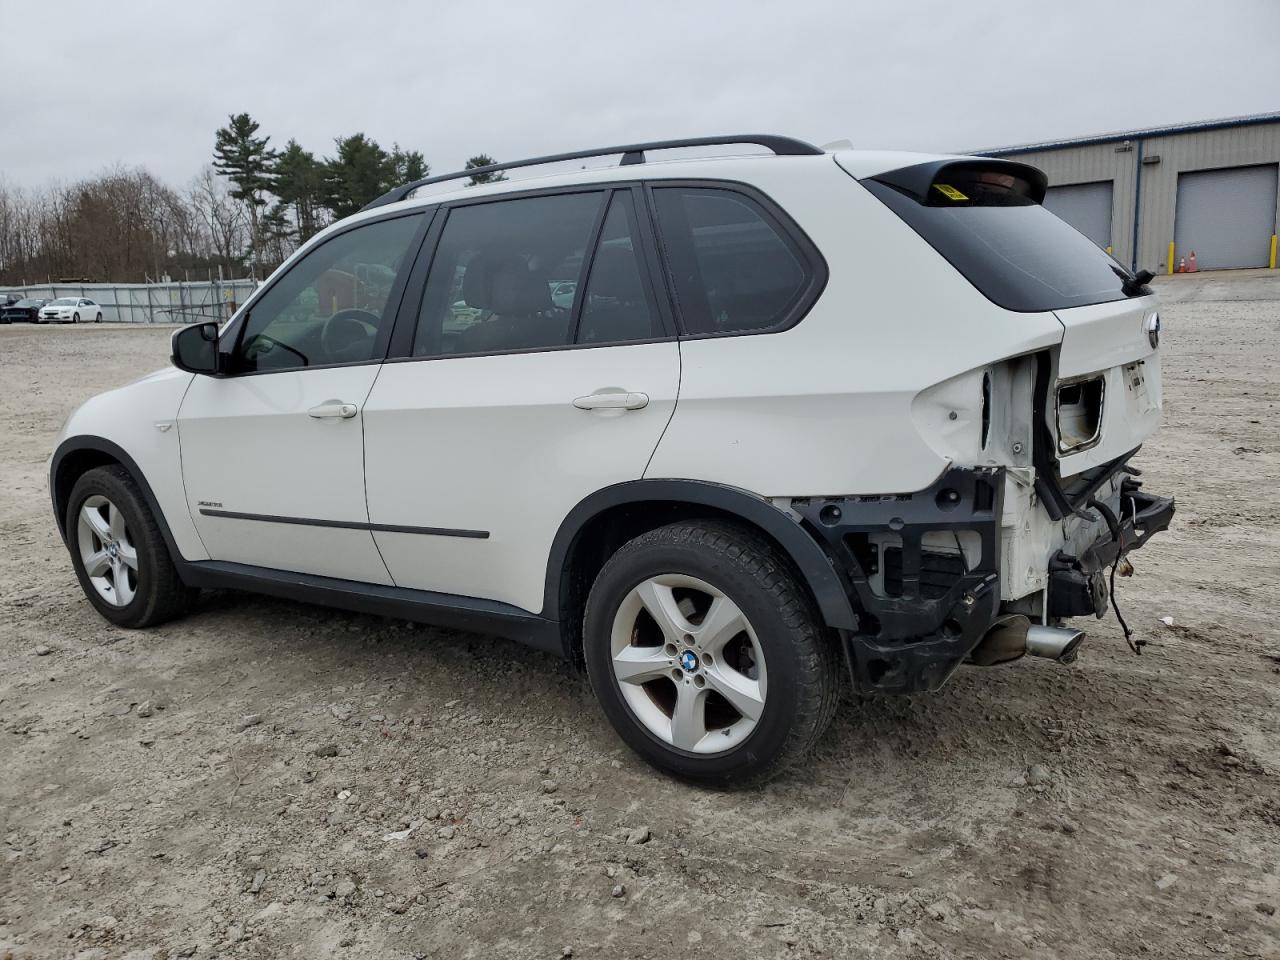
[(195, 349)]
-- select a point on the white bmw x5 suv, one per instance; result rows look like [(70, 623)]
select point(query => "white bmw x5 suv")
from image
[(730, 432)]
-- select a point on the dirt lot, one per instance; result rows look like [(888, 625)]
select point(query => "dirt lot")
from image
[(231, 784)]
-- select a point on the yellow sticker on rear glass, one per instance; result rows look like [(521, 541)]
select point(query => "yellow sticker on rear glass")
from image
[(950, 192)]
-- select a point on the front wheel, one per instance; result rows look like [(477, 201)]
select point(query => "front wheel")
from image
[(707, 655), (119, 553), (75, 318)]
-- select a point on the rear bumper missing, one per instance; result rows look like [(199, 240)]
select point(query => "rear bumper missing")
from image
[(1077, 584), (918, 626), (921, 611)]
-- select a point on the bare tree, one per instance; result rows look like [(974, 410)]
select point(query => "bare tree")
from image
[(222, 217)]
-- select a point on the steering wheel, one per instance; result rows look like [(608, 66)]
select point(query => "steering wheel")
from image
[(348, 329)]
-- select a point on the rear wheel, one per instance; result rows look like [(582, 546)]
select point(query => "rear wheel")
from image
[(119, 554), (706, 654), (98, 318)]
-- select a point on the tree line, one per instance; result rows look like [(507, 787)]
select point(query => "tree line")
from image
[(242, 215)]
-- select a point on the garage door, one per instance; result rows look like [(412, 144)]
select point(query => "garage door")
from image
[(1226, 216), (1086, 206)]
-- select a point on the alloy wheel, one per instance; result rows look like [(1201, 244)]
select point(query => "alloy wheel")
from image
[(688, 663), (107, 551)]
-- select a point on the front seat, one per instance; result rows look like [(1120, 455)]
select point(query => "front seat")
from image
[(523, 314)]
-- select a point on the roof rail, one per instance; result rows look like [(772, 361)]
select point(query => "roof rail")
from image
[(631, 154)]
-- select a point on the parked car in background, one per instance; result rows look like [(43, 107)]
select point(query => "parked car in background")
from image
[(70, 310), (22, 311)]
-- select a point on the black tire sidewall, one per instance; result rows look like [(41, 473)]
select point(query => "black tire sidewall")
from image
[(636, 563), (137, 518)]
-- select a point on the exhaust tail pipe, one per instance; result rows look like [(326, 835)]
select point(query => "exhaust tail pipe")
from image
[(1015, 636), (1054, 643)]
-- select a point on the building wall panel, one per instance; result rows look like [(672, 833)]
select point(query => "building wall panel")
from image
[(1118, 159)]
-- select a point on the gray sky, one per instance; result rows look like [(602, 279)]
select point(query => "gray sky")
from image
[(90, 85)]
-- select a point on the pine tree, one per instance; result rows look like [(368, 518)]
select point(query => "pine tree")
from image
[(299, 181), (407, 165), (359, 173), (246, 161)]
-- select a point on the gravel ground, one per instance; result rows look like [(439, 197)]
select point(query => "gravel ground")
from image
[(267, 779)]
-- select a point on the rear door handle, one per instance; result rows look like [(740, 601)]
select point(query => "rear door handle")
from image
[(333, 410), (612, 401)]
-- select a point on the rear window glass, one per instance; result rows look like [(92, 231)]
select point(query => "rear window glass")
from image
[(1017, 253), (733, 268)]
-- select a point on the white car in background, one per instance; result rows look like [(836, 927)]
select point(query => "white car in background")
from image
[(70, 310)]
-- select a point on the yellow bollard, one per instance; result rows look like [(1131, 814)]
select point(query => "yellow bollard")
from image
[(1273, 251), (1170, 256)]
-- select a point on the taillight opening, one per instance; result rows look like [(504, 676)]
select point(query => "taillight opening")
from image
[(1080, 413)]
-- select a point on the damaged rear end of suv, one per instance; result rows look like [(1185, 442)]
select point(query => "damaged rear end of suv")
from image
[(1039, 506)]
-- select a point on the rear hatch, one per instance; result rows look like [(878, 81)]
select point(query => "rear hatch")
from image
[(1101, 394)]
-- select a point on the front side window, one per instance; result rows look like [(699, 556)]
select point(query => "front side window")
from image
[(733, 269), (505, 276), (332, 304)]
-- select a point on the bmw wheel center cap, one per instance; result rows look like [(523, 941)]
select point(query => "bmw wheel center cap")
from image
[(689, 661)]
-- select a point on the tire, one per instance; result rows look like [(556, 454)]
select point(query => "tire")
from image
[(144, 593), (782, 664), (98, 318), (75, 318)]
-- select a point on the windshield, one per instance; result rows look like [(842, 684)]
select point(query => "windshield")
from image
[(28, 303), (1018, 254), (63, 302)]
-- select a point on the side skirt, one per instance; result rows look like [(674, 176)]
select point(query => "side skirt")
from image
[(422, 606)]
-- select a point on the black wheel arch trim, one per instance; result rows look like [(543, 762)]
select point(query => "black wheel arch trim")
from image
[(60, 496), (808, 556)]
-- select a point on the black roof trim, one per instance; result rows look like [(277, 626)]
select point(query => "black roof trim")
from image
[(631, 154), (1195, 127)]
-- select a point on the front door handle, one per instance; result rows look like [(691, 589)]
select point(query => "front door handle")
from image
[(333, 410), (612, 401)]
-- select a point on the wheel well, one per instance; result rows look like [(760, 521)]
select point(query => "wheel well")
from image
[(70, 468), (602, 536)]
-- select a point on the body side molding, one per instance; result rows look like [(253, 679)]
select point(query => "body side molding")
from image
[(347, 524)]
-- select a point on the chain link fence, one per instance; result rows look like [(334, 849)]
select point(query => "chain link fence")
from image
[(150, 302)]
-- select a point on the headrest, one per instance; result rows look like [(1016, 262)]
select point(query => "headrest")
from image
[(514, 290), (503, 283), (615, 273)]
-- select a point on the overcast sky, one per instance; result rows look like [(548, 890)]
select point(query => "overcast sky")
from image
[(86, 86)]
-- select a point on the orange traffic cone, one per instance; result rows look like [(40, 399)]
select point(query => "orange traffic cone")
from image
[(1182, 264), (1191, 267)]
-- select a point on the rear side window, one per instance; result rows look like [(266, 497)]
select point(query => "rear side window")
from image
[(733, 267), (618, 307), (990, 226)]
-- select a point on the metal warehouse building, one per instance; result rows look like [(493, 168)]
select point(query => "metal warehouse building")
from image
[(1154, 196)]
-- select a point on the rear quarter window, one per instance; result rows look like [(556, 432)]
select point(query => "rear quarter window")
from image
[(1018, 254), (735, 267)]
